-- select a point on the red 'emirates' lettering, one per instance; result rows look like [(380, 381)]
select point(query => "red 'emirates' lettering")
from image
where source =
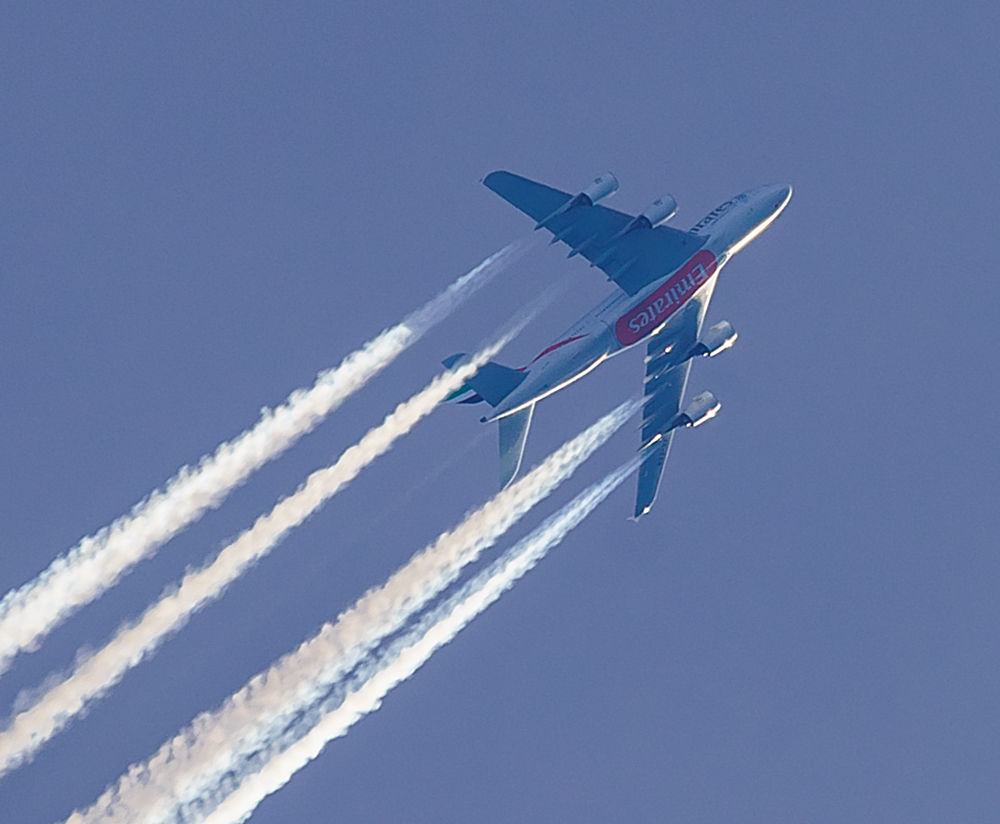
[(644, 318)]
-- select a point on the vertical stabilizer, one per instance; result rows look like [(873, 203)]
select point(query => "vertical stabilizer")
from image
[(513, 437)]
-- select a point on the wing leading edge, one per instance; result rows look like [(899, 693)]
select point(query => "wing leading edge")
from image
[(631, 252)]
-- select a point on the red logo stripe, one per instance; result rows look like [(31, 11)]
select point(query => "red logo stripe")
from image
[(555, 346), (639, 321)]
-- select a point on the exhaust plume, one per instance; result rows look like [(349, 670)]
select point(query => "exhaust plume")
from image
[(99, 561), (186, 767), (402, 659), (95, 674)]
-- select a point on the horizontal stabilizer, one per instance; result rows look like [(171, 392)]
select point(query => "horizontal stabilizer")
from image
[(513, 437), (492, 383), (451, 360)]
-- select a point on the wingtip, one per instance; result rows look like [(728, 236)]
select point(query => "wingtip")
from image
[(451, 360), (635, 518), (492, 175)]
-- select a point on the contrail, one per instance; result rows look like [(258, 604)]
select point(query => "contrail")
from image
[(216, 742), (95, 674), (367, 689), (97, 563)]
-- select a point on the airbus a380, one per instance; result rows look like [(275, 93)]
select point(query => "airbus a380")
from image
[(666, 278)]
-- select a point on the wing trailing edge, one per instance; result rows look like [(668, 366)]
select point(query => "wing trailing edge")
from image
[(632, 251), (649, 475)]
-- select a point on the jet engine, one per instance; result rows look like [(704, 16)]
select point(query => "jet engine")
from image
[(703, 408), (717, 339), (659, 211), (602, 186)]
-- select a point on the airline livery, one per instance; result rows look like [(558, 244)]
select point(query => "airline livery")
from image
[(666, 278)]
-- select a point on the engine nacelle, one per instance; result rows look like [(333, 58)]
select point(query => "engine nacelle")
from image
[(716, 339), (703, 408), (713, 341), (602, 186), (660, 210)]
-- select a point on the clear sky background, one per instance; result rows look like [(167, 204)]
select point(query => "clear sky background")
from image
[(202, 207)]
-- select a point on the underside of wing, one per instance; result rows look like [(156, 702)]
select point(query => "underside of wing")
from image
[(644, 255), (631, 251), (667, 370), (534, 199), (650, 472), (663, 403)]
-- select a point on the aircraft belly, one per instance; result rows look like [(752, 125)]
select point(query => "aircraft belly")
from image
[(649, 314), (605, 332), (560, 369)]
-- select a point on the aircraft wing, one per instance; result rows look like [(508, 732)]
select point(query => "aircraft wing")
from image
[(664, 391), (663, 394), (631, 255)]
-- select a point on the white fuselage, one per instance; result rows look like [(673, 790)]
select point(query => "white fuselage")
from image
[(623, 321)]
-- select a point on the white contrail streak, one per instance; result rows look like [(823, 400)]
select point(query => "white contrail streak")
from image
[(216, 742), (95, 674), (95, 564), (404, 657)]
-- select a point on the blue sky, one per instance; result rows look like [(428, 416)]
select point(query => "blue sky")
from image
[(204, 207)]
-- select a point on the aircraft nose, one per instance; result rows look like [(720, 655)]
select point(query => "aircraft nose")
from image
[(777, 197)]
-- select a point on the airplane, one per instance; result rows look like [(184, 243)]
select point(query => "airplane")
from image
[(666, 278)]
